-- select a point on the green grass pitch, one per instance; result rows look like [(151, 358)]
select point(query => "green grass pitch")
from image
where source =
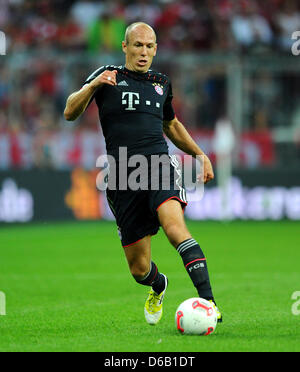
[(68, 288)]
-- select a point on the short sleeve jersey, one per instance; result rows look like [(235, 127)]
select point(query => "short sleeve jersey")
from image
[(132, 113)]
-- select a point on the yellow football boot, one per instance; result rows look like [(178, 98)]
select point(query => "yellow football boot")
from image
[(219, 315), (154, 305)]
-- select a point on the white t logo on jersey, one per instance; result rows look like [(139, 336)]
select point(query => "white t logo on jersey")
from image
[(130, 100)]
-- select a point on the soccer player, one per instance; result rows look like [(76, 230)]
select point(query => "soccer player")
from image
[(135, 108)]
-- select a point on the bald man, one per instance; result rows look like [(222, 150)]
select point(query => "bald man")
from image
[(135, 109)]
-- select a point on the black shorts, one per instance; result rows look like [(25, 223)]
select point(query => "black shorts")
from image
[(136, 210)]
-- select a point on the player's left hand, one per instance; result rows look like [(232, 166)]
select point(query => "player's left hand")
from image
[(207, 172)]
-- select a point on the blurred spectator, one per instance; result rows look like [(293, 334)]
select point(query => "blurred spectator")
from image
[(4, 13), (85, 12), (249, 28), (29, 109), (107, 32), (45, 79), (142, 10), (179, 26), (4, 88), (288, 21), (70, 34), (265, 97), (206, 26)]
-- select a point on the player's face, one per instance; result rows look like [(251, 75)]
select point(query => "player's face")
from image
[(140, 49)]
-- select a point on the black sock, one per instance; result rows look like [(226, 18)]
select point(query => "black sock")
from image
[(154, 279), (195, 264)]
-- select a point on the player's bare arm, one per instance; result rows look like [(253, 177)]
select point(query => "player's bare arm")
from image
[(181, 138), (77, 102)]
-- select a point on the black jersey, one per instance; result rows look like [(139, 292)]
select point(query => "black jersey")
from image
[(132, 112)]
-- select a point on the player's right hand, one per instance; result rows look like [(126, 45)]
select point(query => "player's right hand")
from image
[(107, 77), (207, 173)]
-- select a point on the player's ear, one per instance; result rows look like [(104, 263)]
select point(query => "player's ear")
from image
[(155, 50), (124, 47)]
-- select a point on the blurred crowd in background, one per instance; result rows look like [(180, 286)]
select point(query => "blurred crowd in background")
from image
[(37, 73), (199, 25)]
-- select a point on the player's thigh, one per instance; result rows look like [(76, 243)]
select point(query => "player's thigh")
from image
[(171, 218), (138, 256)]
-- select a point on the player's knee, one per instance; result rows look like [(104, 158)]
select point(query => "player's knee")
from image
[(139, 270), (175, 232)]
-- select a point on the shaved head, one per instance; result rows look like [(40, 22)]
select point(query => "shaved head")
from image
[(139, 46), (136, 27)]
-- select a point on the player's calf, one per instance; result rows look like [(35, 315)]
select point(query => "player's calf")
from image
[(195, 263), (153, 278)]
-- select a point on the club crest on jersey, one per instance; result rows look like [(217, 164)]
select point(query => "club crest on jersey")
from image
[(158, 88)]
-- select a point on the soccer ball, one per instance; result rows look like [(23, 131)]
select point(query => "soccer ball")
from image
[(196, 316)]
